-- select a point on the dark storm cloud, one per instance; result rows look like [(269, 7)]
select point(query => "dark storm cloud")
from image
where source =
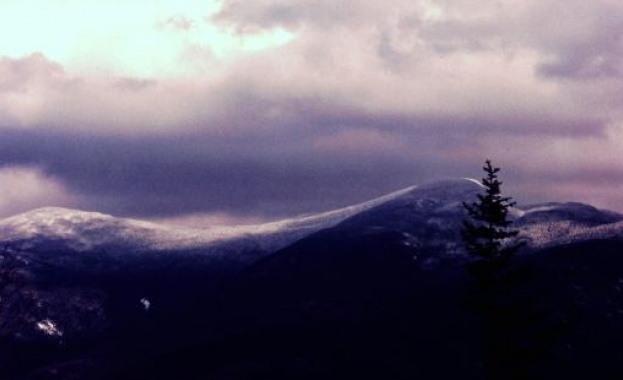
[(315, 155), (320, 162), (173, 176), (440, 126)]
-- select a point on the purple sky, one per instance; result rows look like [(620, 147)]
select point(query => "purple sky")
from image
[(241, 111)]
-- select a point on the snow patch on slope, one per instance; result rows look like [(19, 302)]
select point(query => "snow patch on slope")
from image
[(84, 231), (562, 223), (474, 181)]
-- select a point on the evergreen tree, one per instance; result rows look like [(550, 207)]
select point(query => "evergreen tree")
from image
[(497, 298), (487, 233)]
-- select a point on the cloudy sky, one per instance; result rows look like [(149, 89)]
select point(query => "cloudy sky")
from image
[(239, 111)]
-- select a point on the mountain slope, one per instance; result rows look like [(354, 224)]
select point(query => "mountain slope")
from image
[(331, 292), (384, 294), (81, 231)]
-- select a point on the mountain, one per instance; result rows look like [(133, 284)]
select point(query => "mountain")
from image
[(54, 228), (554, 224), (428, 208), (376, 289)]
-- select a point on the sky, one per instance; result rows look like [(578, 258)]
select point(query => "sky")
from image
[(231, 111)]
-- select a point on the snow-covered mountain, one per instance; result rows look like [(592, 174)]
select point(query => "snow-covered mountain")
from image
[(424, 213), (80, 231), (91, 275), (551, 224)]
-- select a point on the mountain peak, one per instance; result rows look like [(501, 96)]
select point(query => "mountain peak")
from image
[(473, 180), (459, 189), (48, 215)]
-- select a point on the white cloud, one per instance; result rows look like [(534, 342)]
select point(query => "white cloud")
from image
[(23, 189), (138, 38)]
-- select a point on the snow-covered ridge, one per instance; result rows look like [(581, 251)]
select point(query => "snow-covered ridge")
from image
[(436, 203), (551, 224), (85, 231)]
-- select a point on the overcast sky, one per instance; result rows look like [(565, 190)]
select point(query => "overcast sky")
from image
[(239, 111)]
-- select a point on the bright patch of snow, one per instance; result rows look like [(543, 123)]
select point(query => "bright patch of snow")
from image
[(541, 209), (146, 304), (49, 328), (474, 181)]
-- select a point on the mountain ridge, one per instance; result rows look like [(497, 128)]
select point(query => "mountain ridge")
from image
[(58, 223), (84, 231), (395, 264)]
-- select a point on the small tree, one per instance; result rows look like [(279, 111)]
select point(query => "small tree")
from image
[(487, 233)]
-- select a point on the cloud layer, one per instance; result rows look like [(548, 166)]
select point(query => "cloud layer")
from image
[(267, 108), (23, 188)]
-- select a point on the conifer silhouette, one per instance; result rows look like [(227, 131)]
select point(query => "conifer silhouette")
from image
[(487, 233)]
